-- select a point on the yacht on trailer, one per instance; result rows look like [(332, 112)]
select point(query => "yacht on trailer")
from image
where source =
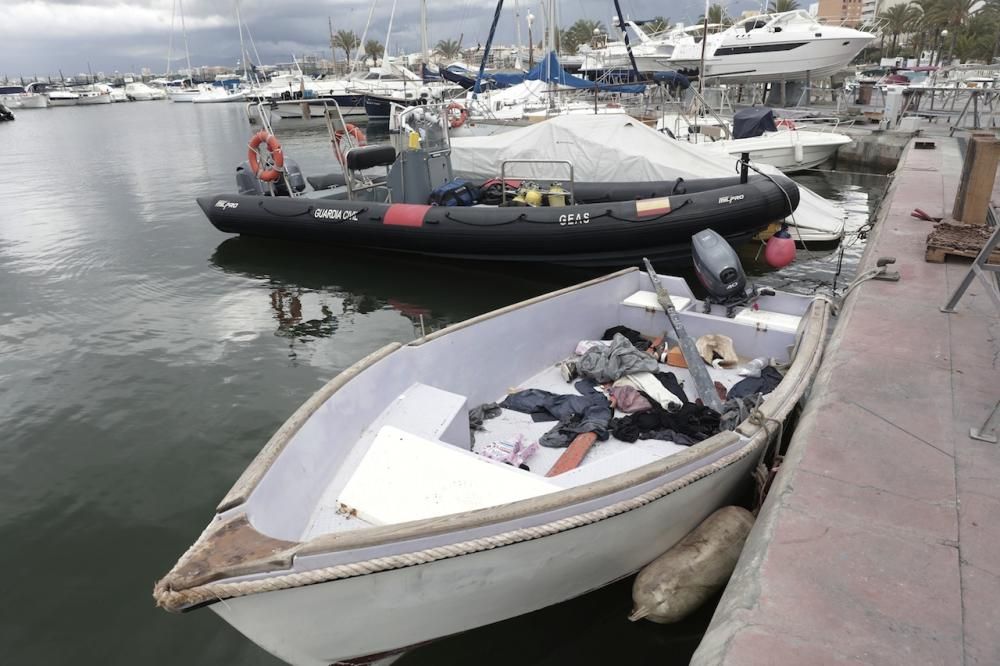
[(786, 46)]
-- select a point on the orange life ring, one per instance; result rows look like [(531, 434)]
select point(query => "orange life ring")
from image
[(357, 138), (457, 115), (785, 122), (277, 157)]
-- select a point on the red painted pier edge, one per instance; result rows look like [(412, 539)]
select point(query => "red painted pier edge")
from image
[(880, 540)]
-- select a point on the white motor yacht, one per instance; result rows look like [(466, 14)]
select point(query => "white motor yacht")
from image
[(16, 97), (137, 91), (55, 96), (91, 94), (785, 46)]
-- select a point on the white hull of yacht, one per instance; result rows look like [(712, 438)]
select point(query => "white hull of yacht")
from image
[(812, 59), (308, 626), (96, 98), (182, 95), (26, 101), (215, 98), (63, 101)]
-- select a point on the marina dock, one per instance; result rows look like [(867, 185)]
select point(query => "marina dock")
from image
[(878, 543)]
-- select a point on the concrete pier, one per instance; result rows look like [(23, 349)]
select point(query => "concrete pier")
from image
[(880, 540)]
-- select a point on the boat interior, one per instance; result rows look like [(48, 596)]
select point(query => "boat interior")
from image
[(393, 444)]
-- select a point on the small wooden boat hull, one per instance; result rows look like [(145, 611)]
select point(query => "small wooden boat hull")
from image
[(646, 220)]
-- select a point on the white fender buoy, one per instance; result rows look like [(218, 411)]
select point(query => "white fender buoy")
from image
[(798, 150), (682, 579)]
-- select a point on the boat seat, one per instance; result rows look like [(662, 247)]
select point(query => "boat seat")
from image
[(427, 411), (640, 453), (405, 477), (759, 319), (646, 300), (368, 157), (327, 181)]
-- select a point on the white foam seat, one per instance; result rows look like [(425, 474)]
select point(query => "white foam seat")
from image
[(406, 477), (646, 300), (768, 321)]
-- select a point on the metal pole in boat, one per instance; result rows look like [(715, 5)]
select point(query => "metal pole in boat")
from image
[(477, 88), (744, 167), (704, 41), (628, 47)]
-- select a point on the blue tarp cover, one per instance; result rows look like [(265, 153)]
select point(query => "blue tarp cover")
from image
[(549, 69)]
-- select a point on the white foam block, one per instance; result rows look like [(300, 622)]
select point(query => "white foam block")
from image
[(771, 321), (647, 301), (405, 477)]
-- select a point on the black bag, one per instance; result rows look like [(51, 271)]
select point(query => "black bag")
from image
[(457, 192)]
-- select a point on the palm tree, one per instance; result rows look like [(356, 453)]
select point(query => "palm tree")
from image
[(578, 33), (716, 15), (348, 41), (778, 6), (374, 49), (449, 49), (658, 24), (899, 19), (956, 12), (991, 12)]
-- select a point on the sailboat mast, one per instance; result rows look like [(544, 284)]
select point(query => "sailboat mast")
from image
[(243, 48), (423, 32), (170, 42), (187, 53), (704, 42), (517, 25)]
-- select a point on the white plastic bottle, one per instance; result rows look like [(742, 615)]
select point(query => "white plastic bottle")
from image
[(754, 367)]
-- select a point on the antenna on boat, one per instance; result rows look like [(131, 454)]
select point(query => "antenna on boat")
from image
[(187, 53), (628, 47), (170, 42)]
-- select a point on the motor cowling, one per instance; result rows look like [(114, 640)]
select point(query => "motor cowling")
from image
[(718, 267)]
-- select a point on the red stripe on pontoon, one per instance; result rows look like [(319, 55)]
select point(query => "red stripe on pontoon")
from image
[(406, 215)]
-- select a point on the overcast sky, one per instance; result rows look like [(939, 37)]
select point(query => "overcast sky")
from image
[(40, 37)]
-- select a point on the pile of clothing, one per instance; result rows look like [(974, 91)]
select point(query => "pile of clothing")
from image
[(621, 372)]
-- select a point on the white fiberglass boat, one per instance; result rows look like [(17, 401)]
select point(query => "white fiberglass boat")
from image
[(786, 144), (16, 97), (55, 96), (93, 95), (137, 91), (785, 46), (373, 521)]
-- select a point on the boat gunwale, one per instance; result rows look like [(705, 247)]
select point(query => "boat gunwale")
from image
[(172, 593)]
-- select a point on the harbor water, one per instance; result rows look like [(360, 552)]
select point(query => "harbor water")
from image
[(145, 358)]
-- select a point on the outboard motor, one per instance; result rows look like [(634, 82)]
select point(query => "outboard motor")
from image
[(248, 183), (720, 272)]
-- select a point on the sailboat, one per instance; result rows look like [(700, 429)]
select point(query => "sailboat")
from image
[(180, 90)]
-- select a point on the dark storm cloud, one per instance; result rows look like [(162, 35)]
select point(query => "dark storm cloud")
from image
[(43, 37)]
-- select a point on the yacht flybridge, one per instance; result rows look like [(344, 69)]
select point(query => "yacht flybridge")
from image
[(783, 46)]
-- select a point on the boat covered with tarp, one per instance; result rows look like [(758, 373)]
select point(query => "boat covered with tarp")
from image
[(409, 201)]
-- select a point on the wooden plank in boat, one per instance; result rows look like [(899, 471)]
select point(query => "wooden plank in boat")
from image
[(405, 477)]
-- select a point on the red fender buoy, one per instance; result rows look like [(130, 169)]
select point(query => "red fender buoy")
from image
[(780, 250)]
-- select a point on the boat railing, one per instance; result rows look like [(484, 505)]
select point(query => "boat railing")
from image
[(565, 183), (820, 123)]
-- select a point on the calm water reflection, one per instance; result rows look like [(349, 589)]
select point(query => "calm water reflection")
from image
[(145, 359)]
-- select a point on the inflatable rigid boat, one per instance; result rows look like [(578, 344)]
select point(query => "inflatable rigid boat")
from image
[(584, 224)]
